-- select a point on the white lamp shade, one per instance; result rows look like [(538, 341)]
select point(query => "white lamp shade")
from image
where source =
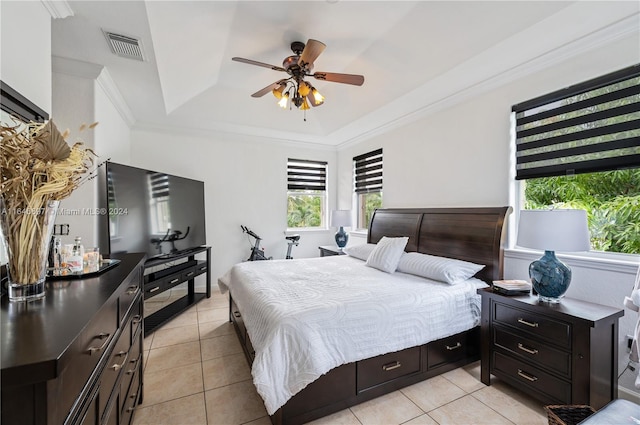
[(340, 218), (554, 230)]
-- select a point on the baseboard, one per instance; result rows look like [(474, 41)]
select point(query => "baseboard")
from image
[(628, 394)]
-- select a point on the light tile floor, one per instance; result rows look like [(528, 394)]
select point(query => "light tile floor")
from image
[(195, 374)]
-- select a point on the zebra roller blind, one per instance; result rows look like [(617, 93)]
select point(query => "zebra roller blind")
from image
[(368, 172), (592, 126)]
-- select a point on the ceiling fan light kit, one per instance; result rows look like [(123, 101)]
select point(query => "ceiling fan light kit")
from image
[(294, 90)]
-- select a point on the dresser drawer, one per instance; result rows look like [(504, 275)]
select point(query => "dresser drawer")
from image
[(118, 361), (554, 331), (129, 294), (86, 352), (387, 367), (534, 351), (528, 376), (130, 401)]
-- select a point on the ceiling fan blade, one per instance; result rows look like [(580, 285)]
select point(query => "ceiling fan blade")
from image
[(268, 89), (356, 80), (252, 62), (311, 51)]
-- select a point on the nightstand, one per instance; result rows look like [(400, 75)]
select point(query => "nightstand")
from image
[(565, 353), (328, 250)]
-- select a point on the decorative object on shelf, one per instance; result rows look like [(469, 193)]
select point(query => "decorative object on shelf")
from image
[(341, 219), (552, 230), (38, 169)]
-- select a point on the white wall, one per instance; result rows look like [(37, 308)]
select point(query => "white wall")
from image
[(25, 42), (79, 99), (245, 183), (461, 156), (25, 39)]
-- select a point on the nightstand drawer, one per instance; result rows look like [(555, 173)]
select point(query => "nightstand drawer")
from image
[(554, 331), (528, 376), (534, 351)]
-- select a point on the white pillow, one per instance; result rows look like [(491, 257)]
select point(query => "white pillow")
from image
[(360, 251), (387, 253), (446, 270)]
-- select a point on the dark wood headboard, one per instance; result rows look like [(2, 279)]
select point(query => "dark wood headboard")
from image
[(470, 234)]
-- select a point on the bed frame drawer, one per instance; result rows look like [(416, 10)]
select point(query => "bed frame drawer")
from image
[(387, 367), (448, 350)]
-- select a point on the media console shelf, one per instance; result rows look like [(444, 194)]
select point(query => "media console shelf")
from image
[(158, 281)]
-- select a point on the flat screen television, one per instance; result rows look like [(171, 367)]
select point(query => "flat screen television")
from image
[(148, 211)]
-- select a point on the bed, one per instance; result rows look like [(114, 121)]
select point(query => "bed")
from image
[(332, 332)]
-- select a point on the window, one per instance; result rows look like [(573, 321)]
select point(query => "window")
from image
[(580, 148), (306, 193), (367, 171)]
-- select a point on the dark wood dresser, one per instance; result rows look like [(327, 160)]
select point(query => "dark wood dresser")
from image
[(75, 357), (565, 353)]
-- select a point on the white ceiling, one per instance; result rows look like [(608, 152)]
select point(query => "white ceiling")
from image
[(414, 55)]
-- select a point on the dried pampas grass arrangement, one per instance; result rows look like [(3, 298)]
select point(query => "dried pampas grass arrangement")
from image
[(37, 166)]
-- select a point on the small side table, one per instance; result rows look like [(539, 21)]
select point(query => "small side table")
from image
[(328, 250)]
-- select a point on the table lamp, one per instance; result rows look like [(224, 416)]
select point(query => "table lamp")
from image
[(552, 230), (341, 219)]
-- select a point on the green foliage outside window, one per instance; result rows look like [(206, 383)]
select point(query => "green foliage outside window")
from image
[(304, 210), (369, 203), (611, 199)]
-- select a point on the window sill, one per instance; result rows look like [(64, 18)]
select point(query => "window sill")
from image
[(608, 261)]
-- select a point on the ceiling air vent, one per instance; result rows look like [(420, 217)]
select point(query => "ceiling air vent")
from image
[(125, 46)]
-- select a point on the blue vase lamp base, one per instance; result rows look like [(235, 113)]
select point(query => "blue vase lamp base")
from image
[(550, 277), (342, 238)]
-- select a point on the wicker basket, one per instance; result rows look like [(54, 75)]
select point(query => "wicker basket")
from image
[(568, 414)]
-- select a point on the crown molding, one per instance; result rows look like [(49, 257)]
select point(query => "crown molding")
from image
[(235, 135), (58, 9), (101, 76), (109, 87), (619, 30)]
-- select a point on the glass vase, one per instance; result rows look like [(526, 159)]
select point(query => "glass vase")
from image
[(27, 232)]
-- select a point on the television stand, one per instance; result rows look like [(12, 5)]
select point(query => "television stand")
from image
[(159, 281)]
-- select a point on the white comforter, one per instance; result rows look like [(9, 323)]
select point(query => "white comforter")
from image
[(306, 317)]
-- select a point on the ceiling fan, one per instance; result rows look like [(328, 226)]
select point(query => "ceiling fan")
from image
[(294, 88)]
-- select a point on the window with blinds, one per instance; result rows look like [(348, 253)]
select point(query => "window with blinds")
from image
[(580, 148), (306, 175), (368, 172), (367, 177), (306, 193), (589, 127)]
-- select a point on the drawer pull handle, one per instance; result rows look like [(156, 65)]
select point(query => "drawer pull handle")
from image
[(104, 336), (134, 395), (454, 347), (527, 376), (203, 268), (134, 367), (132, 289), (154, 289), (117, 366), (174, 280), (524, 322), (237, 314), (136, 319), (526, 349), (190, 274), (390, 366), (130, 409)]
